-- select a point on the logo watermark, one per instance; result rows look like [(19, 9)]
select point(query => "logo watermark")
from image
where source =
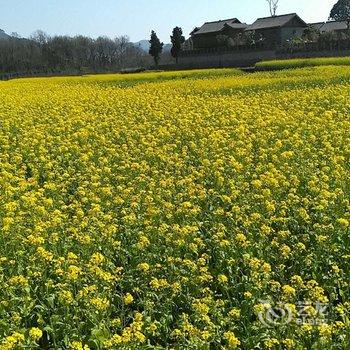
[(301, 313)]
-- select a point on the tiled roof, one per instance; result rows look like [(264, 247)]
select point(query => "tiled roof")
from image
[(317, 25), (237, 25), (333, 26), (217, 26), (274, 22)]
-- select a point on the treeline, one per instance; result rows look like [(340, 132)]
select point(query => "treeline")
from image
[(63, 54)]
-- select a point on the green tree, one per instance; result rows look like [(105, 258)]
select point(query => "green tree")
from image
[(156, 47), (311, 34), (341, 12), (177, 39)]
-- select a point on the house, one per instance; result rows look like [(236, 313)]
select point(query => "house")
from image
[(334, 27), (317, 26), (207, 35), (278, 30), (187, 45), (330, 27)]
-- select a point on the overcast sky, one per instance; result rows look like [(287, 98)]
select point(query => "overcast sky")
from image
[(136, 18)]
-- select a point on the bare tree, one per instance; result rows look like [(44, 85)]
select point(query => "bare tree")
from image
[(40, 37), (63, 54), (122, 44), (273, 7)]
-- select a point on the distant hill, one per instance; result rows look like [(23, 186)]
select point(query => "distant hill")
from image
[(144, 45), (167, 47), (3, 35)]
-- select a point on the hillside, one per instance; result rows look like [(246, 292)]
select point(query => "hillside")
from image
[(3, 35), (144, 45)]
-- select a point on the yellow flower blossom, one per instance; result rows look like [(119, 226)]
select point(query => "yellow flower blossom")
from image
[(202, 191), (35, 333), (231, 339), (128, 299)]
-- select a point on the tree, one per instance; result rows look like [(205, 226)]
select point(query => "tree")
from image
[(62, 54), (273, 4), (311, 34), (122, 43), (156, 47), (341, 12), (177, 39), (40, 37), (225, 41)]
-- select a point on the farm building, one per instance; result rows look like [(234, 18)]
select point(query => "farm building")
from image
[(335, 27), (207, 35), (330, 27), (317, 26), (188, 44), (278, 29)]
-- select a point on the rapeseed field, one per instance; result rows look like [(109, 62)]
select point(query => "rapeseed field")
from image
[(186, 210), (303, 62)]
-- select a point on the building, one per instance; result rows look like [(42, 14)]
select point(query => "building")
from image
[(187, 45), (277, 30), (334, 27), (330, 27), (317, 26), (264, 33), (207, 35)]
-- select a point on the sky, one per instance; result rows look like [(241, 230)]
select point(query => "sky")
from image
[(136, 18)]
